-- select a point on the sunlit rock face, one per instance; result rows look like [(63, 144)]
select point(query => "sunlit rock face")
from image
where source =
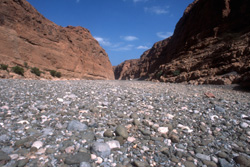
[(27, 36)]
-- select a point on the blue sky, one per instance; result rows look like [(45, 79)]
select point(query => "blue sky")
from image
[(124, 28)]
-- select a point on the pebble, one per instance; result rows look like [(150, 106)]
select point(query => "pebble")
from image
[(85, 164), (121, 131), (77, 158), (185, 128), (108, 133), (131, 139), (4, 156), (242, 160), (203, 156), (70, 149), (222, 155), (189, 164), (114, 144), (14, 156), (101, 149), (76, 126), (22, 162), (244, 125), (145, 132), (4, 138), (58, 123), (209, 163), (136, 122), (140, 163), (134, 116), (37, 144), (174, 138), (219, 109), (163, 130), (225, 163)]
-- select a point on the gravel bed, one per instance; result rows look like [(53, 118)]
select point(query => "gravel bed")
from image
[(122, 124)]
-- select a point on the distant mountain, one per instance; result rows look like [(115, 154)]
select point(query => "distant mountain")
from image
[(210, 45), (28, 39)]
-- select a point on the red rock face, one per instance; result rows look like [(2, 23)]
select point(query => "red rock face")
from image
[(139, 68), (123, 70), (27, 36), (210, 45)]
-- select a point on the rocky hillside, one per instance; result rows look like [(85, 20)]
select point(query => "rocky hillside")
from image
[(138, 68), (210, 45), (28, 39)]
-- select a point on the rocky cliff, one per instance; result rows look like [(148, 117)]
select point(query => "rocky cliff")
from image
[(139, 68), (210, 45), (26, 37)]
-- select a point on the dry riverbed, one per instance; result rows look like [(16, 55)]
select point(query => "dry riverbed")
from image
[(122, 123)]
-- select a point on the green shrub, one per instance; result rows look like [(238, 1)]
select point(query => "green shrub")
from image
[(54, 73), (159, 74), (25, 65), (36, 71), (176, 72), (18, 70), (3, 67), (58, 75)]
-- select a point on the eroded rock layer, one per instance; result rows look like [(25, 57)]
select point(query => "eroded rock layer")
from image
[(28, 37), (210, 45)]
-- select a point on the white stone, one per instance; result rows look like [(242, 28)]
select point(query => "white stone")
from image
[(163, 130), (21, 158), (44, 118), (70, 149), (99, 160), (196, 111), (37, 144), (243, 116), (248, 133), (170, 116), (113, 144), (185, 128), (244, 125), (83, 111), (131, 139), (23, 122), (184, 108), (41, 151), (168, 142), (13, 156), (213, 117), (156, 125), (93, 156), (150, 107), (5, 107), (215, 159), (60, 99), (145, 148)]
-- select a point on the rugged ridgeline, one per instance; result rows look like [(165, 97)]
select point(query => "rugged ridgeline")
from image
[(27, 37), (210, 45)]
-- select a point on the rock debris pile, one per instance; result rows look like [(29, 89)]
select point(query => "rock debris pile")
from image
[(122, 124)]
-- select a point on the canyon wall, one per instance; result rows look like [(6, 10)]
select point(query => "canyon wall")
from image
[(27, 37), (210, 45)]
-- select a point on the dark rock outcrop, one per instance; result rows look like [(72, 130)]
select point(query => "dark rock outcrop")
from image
[(27, 36), (210, 45)]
